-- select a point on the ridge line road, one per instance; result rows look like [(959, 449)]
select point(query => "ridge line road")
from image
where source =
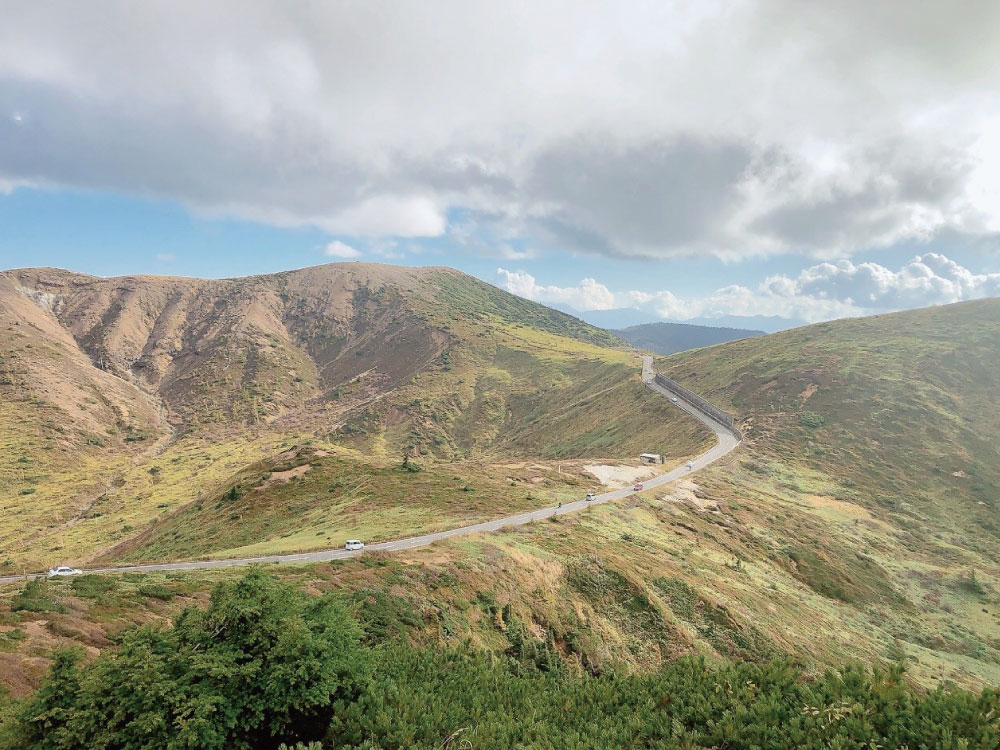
[(726, 441)]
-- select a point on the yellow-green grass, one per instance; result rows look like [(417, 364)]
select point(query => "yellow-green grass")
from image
[(318, 496), (625, 585), (523, 392), (81, 511)]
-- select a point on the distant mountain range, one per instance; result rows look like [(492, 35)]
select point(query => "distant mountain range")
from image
[(765, 323), (670, 338), (625, 317)]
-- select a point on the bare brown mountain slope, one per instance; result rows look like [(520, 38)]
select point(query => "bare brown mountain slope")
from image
[(242, 349)]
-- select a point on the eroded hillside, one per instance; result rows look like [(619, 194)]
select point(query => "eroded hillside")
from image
[(133, 403)]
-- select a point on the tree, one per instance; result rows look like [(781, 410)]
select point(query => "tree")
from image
[(44, 719), (264, 664)]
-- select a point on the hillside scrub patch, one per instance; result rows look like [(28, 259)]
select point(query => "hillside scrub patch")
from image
[(266, 664), (36, 596), (969, 583), (156, 591), (92, 586), (715, 623), (811, 419), (9, 639)]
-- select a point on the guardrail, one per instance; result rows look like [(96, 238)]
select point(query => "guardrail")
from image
[(699, 403)]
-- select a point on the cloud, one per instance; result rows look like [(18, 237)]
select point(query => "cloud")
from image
[(338, 249), (587, 295), (929, 279), (643, 129), (409, 216), (820, 292)]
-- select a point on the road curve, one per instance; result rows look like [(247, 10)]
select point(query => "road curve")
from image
[(726, 440)]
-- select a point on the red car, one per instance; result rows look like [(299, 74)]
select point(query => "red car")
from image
[(637, 488)]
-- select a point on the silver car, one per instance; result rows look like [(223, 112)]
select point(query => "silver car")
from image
[(63, 570)]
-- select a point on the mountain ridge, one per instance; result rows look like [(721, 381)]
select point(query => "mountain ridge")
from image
[(669, 338)]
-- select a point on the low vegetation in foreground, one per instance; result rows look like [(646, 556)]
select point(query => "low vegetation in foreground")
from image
[(265, 664)]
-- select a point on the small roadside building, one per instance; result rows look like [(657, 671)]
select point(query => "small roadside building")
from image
[(651, 458)]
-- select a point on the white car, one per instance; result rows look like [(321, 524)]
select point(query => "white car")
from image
[(63, 570), (690, 465), (354, 544), (591, 496), (674, 399)]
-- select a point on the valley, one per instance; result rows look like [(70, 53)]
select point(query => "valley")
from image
[(857, 521), (362, 367)]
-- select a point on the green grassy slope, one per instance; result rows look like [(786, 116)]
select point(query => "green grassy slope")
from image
[(873, 456), (902, 405)]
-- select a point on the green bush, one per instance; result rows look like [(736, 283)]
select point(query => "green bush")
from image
[(156, 591), (233, 494), (35, 597), (970, 584), (9, 639), (811, 419), (93, 586), (266, 664), (419, 699)]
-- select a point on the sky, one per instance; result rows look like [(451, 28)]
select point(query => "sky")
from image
[(686, 159)]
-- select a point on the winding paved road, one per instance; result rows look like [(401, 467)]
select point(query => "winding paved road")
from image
[(726, 438)]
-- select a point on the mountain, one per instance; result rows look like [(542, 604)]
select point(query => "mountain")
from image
[(669, 338), (871, 474), (129, 404), (859, 521), (611, 319), (765, 323), (627, 317), (211, 349)]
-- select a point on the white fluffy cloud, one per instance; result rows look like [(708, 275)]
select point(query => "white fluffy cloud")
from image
[(734, 127), (929, 279), (587, 295), (821, 292), (338, 249)]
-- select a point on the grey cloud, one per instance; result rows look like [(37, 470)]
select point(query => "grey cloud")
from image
[(887, 192), (641, 129), (636, 199), (835, 221)]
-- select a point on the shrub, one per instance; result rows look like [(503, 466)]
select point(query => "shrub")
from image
[(10, 638), (811, 419), (263, 664), (233, 494), (970, 584), (93, 586), (266, 664), (35, 597), (156, 591)]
